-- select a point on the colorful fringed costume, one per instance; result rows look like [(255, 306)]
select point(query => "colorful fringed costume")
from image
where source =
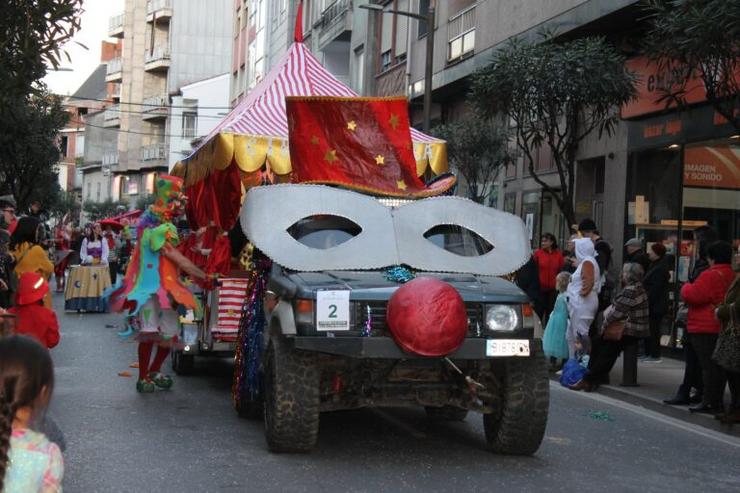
[(151, 290)]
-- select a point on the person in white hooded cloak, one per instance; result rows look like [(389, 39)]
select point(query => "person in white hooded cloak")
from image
[(583, 296)]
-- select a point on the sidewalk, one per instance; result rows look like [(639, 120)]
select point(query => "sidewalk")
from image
[(658, 381)]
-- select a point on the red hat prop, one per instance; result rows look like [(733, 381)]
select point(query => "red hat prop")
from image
[(32, 287), (427, 317)]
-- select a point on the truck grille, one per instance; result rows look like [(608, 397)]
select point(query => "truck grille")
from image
[(380, 327)]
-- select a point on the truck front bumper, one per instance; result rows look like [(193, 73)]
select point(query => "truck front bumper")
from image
[(386, 348)]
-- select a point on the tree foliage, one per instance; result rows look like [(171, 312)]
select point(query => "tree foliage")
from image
[(700, 37), (33, 35), (28, 148), (555, 95), (478, 148), (95, 211)]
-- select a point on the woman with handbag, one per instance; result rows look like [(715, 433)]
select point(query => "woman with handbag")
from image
[(702, 297), (727, 351), (626, 321)]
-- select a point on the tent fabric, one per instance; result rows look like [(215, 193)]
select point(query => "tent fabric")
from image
[(255, 132)]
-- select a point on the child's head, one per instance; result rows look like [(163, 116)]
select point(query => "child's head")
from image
[(561, 281), (26, 382)]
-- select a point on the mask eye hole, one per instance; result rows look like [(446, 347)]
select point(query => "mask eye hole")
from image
[(458, 240), (323, 231)]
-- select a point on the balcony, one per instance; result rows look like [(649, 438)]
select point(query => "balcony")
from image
[(115, 26), (157, 60), (335, 21), (114, 70), (112, 116), (154, 152), (154, 108), (158, 10), (110, 158)]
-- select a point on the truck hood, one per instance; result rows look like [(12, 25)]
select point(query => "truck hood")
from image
[(372, 285)]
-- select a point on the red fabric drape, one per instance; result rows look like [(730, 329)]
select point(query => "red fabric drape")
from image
[(215, 198)]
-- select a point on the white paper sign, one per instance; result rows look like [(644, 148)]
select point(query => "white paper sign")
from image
[(332, 310)]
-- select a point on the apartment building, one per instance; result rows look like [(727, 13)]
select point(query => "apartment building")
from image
[(167, 44)]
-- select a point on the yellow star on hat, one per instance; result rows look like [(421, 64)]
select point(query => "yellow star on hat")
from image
[(379, 160), (393, 121), (401, 185), (351, 125)]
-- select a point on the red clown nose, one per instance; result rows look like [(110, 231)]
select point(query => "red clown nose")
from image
[(427, 316)]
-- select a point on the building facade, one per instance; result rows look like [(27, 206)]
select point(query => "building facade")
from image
[(167, 44)]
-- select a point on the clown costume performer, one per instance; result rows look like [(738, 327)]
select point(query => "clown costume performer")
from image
[(151, 289)]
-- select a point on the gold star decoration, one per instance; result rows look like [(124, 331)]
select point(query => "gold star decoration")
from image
[(401, 185), (379, 160), (393, 121), (314, 140), (330, 156), (351, 125)]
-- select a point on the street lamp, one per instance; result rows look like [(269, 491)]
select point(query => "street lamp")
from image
[(429, 18)]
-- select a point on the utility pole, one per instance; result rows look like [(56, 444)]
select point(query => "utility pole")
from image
[(428, 72)]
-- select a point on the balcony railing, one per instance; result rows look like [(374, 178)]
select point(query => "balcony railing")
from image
[(154, 152), (110, 159), (333, 11), (157, 59), (159, 9), (154, 107), (112, 116), (113, 71), (115, 26)]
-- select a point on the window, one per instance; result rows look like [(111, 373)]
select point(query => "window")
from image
[(63, 145), (89, 190), (132, 185), (599, 176), (189, 125), (461, 34), (385, 60), (97, 192), (423, 9), (79, 145)]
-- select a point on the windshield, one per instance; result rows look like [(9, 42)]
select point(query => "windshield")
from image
[(324, 231), (458, 240)]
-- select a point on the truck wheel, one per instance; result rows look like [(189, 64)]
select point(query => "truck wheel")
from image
[(517, 425), (291, 399), (446, 413), (183, 364)]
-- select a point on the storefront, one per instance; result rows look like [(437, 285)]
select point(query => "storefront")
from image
[(683, 172)]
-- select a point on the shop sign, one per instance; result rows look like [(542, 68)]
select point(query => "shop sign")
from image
[(654, 82), (713, 167), (692, 125)]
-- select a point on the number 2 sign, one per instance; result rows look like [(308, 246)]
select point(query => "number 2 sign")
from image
[(332, 310)]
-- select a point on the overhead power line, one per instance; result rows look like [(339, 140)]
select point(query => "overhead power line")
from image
[(149, 105), (142, 112)]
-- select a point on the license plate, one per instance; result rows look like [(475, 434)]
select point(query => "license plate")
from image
[(507, 347)]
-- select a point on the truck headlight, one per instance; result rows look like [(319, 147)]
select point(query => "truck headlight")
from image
[(502, 318)]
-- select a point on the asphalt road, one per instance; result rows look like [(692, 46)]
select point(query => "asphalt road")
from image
[(189, 439)]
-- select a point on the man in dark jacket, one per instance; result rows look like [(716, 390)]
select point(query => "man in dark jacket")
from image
[(635, 254), (528, 280), (656, 284)]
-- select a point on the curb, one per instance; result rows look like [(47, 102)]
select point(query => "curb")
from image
[(630, 396)]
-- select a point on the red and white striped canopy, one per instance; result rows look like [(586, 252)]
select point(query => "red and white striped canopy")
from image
[(298, 73)]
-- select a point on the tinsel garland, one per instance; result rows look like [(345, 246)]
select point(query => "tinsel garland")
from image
[(249, 340), (399, 274)]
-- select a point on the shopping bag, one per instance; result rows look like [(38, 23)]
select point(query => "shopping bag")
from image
[(573, 372)]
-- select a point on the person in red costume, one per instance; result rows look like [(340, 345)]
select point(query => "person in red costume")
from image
[(32, 317), (703, 296), (550, 262)]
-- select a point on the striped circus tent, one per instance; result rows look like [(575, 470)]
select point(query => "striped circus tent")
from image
[(254, 135)]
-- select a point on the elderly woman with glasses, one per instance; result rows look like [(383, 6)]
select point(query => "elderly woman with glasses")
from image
[(631, 307)]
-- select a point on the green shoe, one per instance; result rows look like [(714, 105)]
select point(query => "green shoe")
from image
[(145, 386), (161, 380)]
